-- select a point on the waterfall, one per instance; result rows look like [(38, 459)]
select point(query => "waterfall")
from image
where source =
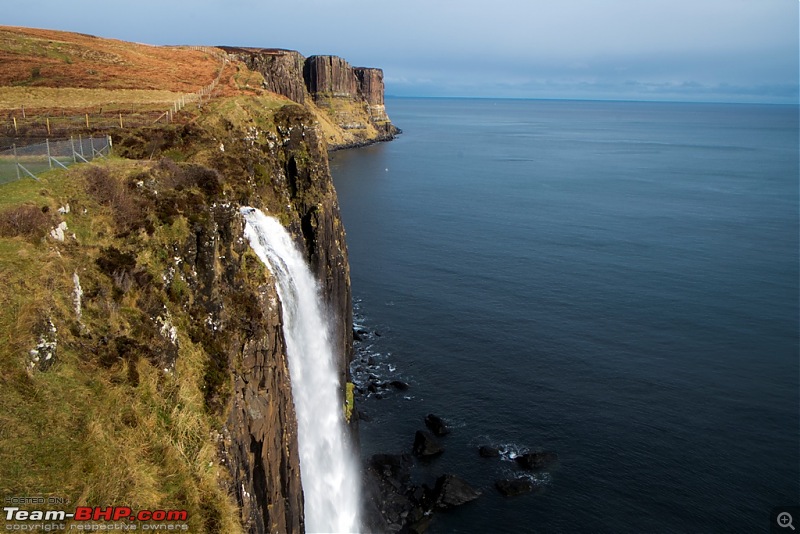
[(327, 465)]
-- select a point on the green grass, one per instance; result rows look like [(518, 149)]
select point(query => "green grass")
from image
[(349, 400), (82, 430)]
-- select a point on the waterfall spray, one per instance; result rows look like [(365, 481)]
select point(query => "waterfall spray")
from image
[(327, 465)]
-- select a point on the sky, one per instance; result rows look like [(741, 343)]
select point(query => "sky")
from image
[(679, 50)]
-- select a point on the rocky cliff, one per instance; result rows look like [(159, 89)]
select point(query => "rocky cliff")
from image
[(348, 101), (146, 336), (178, 328), (282, 69), (370, 84)]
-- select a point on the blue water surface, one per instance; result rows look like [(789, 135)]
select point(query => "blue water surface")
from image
[(614, 281)]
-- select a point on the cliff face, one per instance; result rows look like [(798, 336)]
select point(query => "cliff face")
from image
[(330, 76), (149, 341), (287, 176), (282, 69), (347, 101), (370, 84)]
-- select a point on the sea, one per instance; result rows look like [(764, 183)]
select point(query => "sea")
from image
[(616, 282)]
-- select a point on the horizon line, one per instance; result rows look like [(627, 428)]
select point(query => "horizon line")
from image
[(598, 99)]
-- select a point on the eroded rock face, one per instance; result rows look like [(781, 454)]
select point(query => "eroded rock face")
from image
[(370, 85), (319, 223), (330, 76), (282, 69), (352, 97), (262, 429)]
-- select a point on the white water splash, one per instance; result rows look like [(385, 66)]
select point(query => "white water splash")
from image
[(327, 465)]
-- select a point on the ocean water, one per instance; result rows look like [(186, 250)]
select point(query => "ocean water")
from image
[(613, 281)]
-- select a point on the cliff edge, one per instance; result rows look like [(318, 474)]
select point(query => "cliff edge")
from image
[(143, 362), (348, 101)]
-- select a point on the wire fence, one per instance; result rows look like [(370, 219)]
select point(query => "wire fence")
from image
[(31, 160), (61, 123)]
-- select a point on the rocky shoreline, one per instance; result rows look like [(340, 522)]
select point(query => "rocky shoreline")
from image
[(394, 501)]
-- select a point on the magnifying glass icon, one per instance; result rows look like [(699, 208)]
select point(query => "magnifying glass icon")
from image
[(785, 520)]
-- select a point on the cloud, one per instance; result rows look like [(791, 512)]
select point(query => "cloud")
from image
[(459, 45)]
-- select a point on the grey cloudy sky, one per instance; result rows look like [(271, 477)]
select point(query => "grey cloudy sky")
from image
[(710, 50)]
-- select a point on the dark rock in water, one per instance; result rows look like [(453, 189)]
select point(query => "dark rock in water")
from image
[(453, 491), (396, 466), (359, 334), (425, 445), (399, 385), (378, 333), (537, 460), (487, 451), (392, 502), (514, 486), (436, 425), (371, 361)]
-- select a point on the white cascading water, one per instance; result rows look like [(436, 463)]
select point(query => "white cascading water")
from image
[(327, 465)]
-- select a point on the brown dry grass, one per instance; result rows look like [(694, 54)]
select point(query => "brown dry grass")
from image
[(48, 58), (38, 98)]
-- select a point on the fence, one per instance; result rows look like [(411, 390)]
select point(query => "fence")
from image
[(46, 124), (29, 161), (33, 125)]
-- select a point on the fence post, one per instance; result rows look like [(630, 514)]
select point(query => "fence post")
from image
[(110, 144), (87, 120), (16, 161), (48, 125), (72, 143), (80, 142), (49, 161), (91, 143), (16, 132), (120, 120)]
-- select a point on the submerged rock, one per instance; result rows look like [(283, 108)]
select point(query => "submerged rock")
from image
[(393, 466), (359, 334), (399, 385), (436, 425), (536, 460), (425, 445), (451, 491), (515, 486), (488, 451)]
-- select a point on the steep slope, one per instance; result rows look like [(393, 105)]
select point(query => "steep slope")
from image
[(148, 343)]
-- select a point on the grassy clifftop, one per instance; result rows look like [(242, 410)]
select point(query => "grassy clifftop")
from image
[(103, 390)]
